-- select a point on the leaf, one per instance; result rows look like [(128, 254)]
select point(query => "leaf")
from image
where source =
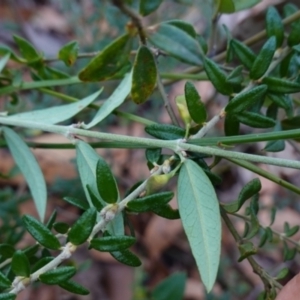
[(147, 7), (27, 50), (226, 6), (106, 182), (95, 201), (57, 114), (61, 227), (263, 59), (51, 220), (114, 101), (165, 132), (195, 105), (282, 274), (29, 167), (6, 251), (294, 38), (170, 288), (246, 249), (278, 85), (41, 233), (167, 212), (3, 61), (112, 243), (244, 53), (274, 25), (5, 283), (83, 227), (217, 77), (144, 75), (74, 287), (291, 123), (200, 215), (255, 120), (127, 258), (58, 275), (150, 202), (20, 264), (41, 263), (7, 296), (279, 100), (277, 145), (236, 76), (109, 61), (175, 42), (153, 154), (231, 125), (244, 4), (77, 202), (244, 100), (68, 53), (263, 239), (249, 190), (185, 26)]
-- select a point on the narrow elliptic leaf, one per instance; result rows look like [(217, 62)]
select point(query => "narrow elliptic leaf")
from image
[(106, 182), (244, 53), (112, 243), (170, 288), (244, 100), (291, 123), (41, 233), (58, 275), (95, 200), (167, 212), (20, 264), (281, 86), (175, 42), (165, 132), (5, 283), (114, 101), (277, 145), (57, 114), (3, 61), (153, 154), (226, 6), (83, 227), (144, 75), (147, 7), (7, 296), (236, 76), (279, 100), (263, 59), (274, 25), (249, 190), (217, 77), (27, 50), (61, 227), (51, 220), (108, 62), (200, 215), (294, 37), (263, 239), (282, 274), (185, 26), (254, 222), (255, 120), (246, 249), (29, 167), (6, 251), (82, 204), (195, 106), (68, 53), (74, 287), (127, 258), (31, 251), (41, 262), (244, 4), (150, 202), (231, 125)]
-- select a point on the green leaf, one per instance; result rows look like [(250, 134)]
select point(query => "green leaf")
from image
[(148, 7), (288, 254), (200, 215), (217, 77), (279, 100), (106, 182), (150, 202), (5, 283), (153, 154), (29, 167), (127, 258), (263, 239), (255, 225), (165, 132), (83, 227), (185, 26), (244, 4), (195, 105), (41, 263), (74, 287), (41, 233), (282, 274), (68, 53), (278, 85), (246, 249), (236, 76), (3, 61), (57, 114), (263, 59), (244, 100), (226, 6), (294, 38), (61, 227), (290, 231), (291, 123), (109, 61), (7, 296), (277, 145), (6, 251), (249, 190), (170, 288), (175, 42), (51, 220), (255, 120), (144, 75), (231, 125), (167, 212), (274, 25), (58, 275), (95, 201), (82, 204), (27, 50), (112, 243), (244, 53), (20, 264), (114, 101)]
